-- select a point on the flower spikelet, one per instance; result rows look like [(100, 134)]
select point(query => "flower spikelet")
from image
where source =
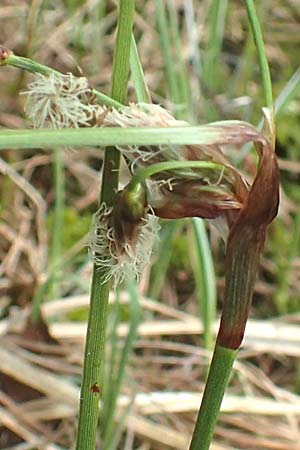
[(60, 101), (129, 261), (185, 192)]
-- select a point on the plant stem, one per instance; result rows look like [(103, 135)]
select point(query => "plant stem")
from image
[(218, 376), (115, 388), (32, 66), (264, 70), (96, 332), (265, 76), (94, 353), (218, 133), (241, 266), (142, 174), (244, 245), (262, 58), (121, 62)]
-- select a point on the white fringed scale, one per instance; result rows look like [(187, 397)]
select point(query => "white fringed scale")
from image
[(61, 101), (66, 101), (145, 115), (131, 262)]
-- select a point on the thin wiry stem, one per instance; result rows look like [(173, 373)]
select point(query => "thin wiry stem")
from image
[(218, 133), (146, 172), (264, 69), (261, 53), (218, 376), (7, 58), (96, 332)]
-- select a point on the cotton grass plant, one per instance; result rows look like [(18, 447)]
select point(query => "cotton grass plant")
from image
[(178, 171)]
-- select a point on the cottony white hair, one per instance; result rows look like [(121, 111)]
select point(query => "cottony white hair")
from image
[(131, 262), (144, 115), (60, 101)]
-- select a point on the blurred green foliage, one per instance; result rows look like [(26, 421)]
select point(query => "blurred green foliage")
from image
[(75, 226)]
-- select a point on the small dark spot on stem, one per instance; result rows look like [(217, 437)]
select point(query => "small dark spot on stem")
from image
[(95, 388)]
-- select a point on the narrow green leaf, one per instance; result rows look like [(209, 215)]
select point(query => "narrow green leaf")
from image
[(137, 72), (205, 280)]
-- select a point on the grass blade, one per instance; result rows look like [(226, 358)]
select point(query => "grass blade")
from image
[(137, 72), (205, 280)]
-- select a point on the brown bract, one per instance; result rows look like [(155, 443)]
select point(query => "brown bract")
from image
[(228, 195), (215, 191), (4, 54), (245, 242)]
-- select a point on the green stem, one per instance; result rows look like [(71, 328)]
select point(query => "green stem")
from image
[(96, 332), (244, 245), (218, 133), (218, 376), (146, 172), (32, 66), (264, 70), (243, 249), (122, 51), (27, 64), (135, 313), (262, 58), (94, 352)]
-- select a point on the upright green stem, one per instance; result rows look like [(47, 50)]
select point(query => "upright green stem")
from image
[(264, 68), (241, 266), (121, 62), (96, 332), (261, 54), (218, 376), (242, 256)]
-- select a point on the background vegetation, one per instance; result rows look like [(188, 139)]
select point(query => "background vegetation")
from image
[(46, 204)]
